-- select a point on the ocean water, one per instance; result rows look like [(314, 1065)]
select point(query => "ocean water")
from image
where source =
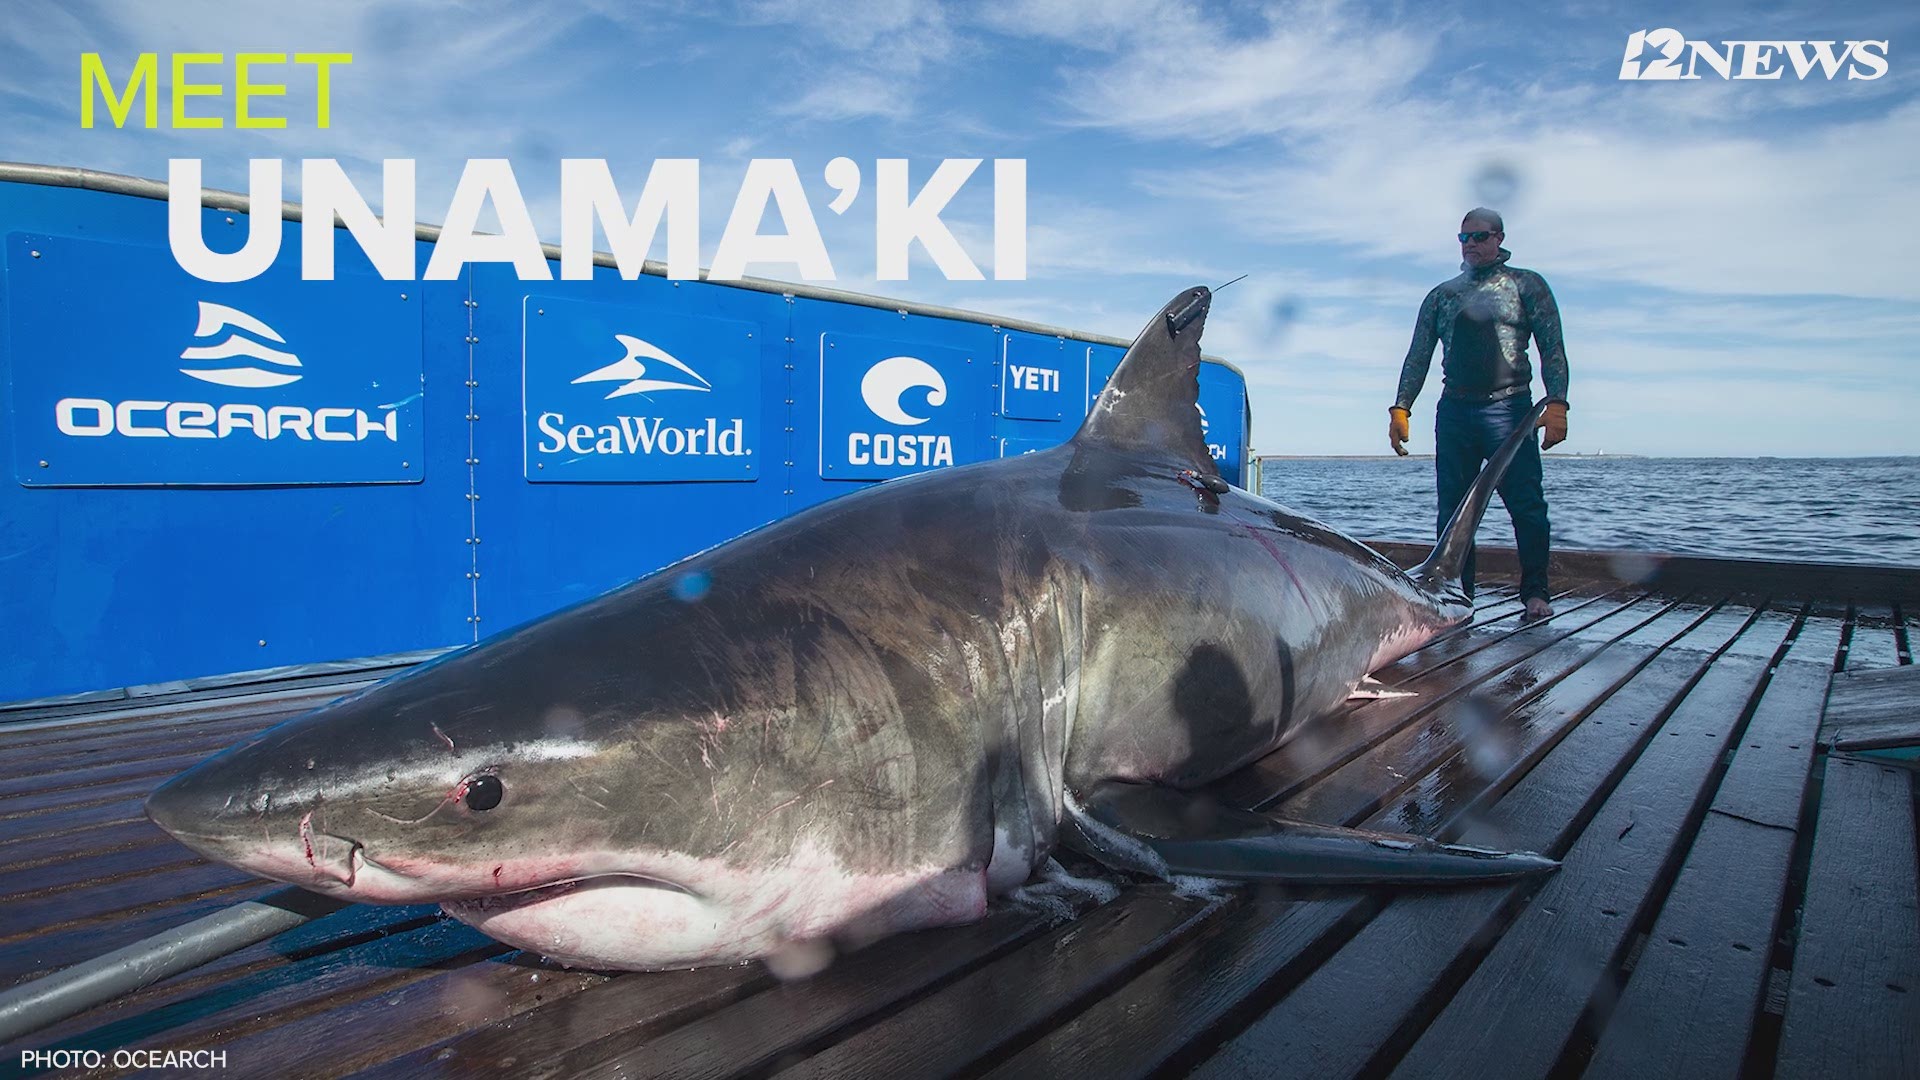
[(1854, 510)]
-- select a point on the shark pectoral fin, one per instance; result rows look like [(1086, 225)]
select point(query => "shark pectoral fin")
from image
[(1163, 831)]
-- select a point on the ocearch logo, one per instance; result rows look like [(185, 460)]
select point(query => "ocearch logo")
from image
[(883, 387), (1218, 450), (217, 317), (90, 417)]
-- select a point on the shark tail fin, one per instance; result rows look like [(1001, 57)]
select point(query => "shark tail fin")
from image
[(1439, 576)]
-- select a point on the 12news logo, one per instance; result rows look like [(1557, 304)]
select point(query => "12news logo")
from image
[(1666, 54)]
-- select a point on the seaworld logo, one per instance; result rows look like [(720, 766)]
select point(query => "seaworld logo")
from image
[(632, 371), (643, 435), (882, 388), (1657, 54), (87, 417)]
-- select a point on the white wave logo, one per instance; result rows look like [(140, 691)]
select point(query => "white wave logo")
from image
[(217, 317), (885, 383), (631, 370)]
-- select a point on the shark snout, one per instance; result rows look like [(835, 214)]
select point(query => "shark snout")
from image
[(253, 829), (186, 810)]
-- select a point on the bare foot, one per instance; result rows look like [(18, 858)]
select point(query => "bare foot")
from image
[(1538, 608)]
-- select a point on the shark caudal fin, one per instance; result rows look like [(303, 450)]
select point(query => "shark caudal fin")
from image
[(1152, 403), (1439, 576)]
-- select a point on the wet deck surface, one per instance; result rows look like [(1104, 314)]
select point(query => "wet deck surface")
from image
[(1738, 897)]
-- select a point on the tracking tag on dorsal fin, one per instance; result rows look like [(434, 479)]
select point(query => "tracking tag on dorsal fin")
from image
[(1152, 403)]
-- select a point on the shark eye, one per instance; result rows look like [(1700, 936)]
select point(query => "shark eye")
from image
[(484, 792)]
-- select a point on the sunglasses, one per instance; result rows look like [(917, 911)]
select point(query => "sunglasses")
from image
[(1475, 237)]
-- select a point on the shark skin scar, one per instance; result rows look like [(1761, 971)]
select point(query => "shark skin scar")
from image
[(1274, 550)]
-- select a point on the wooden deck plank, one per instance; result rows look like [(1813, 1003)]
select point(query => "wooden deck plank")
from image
[(530, 1026), (1853, 1007), (1208, 984), (271, 999), (1822, 634), (1873, 709), (185, 715), (1689, 1005), (83, 817), (183, 1005), (619, 1018), (1135, 1030), (1465, 640), (1001, 1003), (752, 1035), (103, 747), (20, 813), (24, 919), (1874, 644), (476, 990), (26, 852), (1532, 699), (1556, 953), (54, 765), (1345, 1014), (40, 951), (75, 775), (1330, 742), (1510, 740), (94, 868)]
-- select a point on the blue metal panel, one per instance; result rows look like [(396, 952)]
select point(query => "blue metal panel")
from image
[(632, 393), (1223, 406), (967, 417), (546, 545), (892, 407), (128, 370), (1041, 378), (1011, 447), (119, 586)]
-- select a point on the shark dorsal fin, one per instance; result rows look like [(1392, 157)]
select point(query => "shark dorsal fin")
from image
[(1152, 403)]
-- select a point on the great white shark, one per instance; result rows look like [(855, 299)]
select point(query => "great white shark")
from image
[(873, 715)]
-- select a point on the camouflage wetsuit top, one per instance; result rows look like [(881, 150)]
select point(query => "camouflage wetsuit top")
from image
[(1483, 319)]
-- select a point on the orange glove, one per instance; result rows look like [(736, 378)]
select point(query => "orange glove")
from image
[(1398, 433), (1554, 420)]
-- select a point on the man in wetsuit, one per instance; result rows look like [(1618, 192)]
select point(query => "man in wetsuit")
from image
[(1482, 320)]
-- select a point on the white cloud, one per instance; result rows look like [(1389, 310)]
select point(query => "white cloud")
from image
[(859, 58), (1185, 71)]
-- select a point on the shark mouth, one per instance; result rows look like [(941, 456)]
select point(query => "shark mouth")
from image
[(500, 903), (611, 921)]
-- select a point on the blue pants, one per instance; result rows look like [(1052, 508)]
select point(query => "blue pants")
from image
[(1465, 435)]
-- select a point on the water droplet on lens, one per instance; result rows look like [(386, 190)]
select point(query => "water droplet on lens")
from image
[(1496, 184), (692, 586)]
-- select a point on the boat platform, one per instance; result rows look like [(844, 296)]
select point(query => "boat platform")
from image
[(1721, 752)]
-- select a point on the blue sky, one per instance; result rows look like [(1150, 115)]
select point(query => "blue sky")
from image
[(1735, 261)]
